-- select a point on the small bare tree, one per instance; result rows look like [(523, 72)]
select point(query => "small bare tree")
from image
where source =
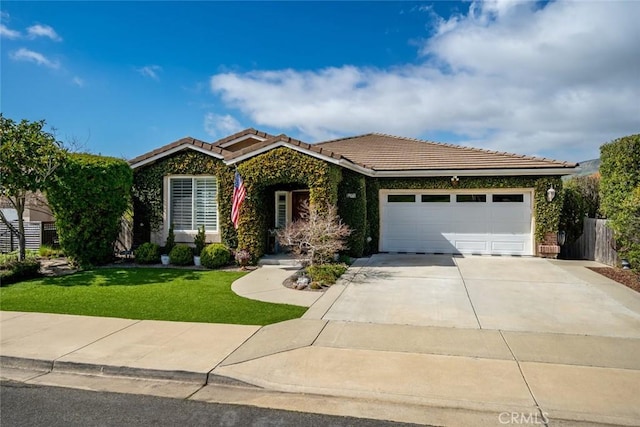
[(317, 235)]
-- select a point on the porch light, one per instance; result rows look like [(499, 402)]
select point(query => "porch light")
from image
[(551, 194), (455, 180), (562, 238)]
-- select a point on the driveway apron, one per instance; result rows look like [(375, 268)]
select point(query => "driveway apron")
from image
[(504, 293), (423, 290)]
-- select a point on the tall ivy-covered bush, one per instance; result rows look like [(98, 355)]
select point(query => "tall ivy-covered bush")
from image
[(619, 193), (573, 212), (352, 208), (88, 198)]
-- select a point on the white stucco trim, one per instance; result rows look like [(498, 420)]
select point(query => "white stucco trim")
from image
[(175, 150)]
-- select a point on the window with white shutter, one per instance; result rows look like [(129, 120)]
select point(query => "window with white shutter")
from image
[(193, 202)]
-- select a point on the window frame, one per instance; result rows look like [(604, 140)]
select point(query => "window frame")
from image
[(390, 195), (507, 195), (435, 197), (473, 198), (194, 213)]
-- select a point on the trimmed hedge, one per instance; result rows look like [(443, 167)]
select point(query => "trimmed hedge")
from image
[(147, 253), (620, 193), (88, 197), (215, 255), (13, 271), (352, 209), (181, 254)]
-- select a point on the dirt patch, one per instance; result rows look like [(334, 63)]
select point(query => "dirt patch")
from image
[(626, 277)]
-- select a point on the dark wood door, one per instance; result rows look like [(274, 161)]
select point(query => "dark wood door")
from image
[(297, 200)]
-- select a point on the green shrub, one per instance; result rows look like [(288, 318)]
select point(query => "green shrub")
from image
[(88, 197), (620, 194), (573, 212), (215, 255), (325, 274), (200, 241), (12, 271), (181, 254), (147, 253), (171, 241), (48, 252)]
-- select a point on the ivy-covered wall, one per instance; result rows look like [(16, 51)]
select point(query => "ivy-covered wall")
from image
[(277, 167), (352, 208), (547, 214), (148, 191), (283, 167)]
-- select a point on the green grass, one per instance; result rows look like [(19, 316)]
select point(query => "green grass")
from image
[(146, 293)]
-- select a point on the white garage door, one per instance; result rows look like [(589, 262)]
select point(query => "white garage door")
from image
[(457, 222)]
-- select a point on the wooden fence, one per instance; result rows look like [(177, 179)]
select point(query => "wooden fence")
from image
[(595, 244), (36, 234)]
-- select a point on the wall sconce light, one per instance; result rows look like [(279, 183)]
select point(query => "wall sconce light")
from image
[(562, 238), (455, 180), (551, 194)]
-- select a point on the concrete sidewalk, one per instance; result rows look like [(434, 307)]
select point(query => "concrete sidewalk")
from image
[(463, 371), (419, 374)]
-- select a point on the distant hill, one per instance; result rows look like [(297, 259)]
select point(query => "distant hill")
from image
[(589, 167)]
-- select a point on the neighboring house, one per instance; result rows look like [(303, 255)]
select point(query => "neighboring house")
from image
[(398, 194), (38, 222), (36, 208)]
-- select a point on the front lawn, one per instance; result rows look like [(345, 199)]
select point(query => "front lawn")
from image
[(146, 293)]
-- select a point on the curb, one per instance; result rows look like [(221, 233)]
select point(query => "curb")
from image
[(46, 366)]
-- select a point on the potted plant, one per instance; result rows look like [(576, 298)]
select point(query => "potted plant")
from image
[(200, 242), (170, 243)]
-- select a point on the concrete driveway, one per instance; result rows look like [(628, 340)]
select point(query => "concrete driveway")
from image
[(480, 292)]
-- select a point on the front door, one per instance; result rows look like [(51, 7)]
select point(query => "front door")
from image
[(298, 199)]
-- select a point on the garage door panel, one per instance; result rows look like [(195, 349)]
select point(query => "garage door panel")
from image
[(510, 247), (469, 245), (498, 225)]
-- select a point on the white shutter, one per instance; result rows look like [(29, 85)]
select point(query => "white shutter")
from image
[(181, 206), (206, 203)]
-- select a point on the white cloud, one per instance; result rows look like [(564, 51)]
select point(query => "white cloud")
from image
[(217, 125), (150, 71), (38, 30), (24, 54), (78, 81), (557, 80), (8, 33)]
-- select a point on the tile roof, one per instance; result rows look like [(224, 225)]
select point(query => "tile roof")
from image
[(187, 141), (374, 151), (287, 140), (382, 152), (245, 132)]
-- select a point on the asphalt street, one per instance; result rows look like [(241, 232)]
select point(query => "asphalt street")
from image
[(29, 405)]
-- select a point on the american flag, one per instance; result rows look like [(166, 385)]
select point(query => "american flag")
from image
[(239, 193)]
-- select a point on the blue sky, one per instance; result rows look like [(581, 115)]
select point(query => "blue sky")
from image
[(554, 79)]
